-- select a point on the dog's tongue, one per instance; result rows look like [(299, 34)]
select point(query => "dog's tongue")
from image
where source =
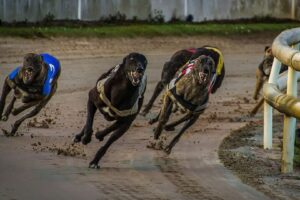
[(27, 75), (136, 77)]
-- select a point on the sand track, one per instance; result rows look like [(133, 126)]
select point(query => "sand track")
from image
[(129, 170)]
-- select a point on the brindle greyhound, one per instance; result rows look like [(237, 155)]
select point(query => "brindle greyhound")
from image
[(118, 95), (190, 92), (35, 82), (169, 70), (262, 75), (176, 62), (263, 71)]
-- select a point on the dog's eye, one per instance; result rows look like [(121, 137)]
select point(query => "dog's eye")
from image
[(29, 69)]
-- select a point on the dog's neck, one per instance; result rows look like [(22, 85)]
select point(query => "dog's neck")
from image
[(43, 74)]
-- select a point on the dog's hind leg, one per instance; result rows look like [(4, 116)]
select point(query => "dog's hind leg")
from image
[(101, 134), (9, 109), (88, 130), (259, 83), (191, 121), (17, 111), (5, 91), (164, 116), (171, 126), (123, 127), (159, 87)]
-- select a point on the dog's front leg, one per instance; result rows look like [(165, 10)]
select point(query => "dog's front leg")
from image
[(123, 127), (164, 116), (9, 109), (159, 87), (191, 121), (171, 126), (88, 129), (5, 91), (34, 112), (101, 134), (79, 136)]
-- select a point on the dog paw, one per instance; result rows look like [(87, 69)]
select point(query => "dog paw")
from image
[(152, 121), (86, 139), (99, 136), (6, 133), (94, 165), (168, 150), (4, 118), (77, 139), (169, 128), (154, 130)]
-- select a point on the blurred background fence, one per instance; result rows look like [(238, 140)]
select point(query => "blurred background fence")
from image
[(166, 10)]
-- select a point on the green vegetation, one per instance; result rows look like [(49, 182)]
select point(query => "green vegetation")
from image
[(144, 30)]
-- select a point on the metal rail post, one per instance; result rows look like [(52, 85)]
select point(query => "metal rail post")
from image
[(268, 110), (79, 9), (289, 126)]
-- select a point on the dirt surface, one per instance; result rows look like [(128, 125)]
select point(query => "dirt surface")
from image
[(43, 164), (242, 152)]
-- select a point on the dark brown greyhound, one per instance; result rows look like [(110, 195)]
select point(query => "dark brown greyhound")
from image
[(35, 82)]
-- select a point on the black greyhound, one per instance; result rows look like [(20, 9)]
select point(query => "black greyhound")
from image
[(118, 95), (35, 82)]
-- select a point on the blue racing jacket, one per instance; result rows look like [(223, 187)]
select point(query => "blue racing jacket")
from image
[(53, 68)]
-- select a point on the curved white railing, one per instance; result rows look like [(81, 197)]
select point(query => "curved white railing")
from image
[(285, 103)]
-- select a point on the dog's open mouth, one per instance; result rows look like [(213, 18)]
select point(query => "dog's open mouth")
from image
[(28, 75), (136, 77), (202, 77)]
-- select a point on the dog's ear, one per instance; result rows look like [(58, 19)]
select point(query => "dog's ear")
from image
[(268, 51), (143, 59), (124, 60), (266, 48)]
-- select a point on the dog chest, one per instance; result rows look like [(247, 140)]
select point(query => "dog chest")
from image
[(110, 109)]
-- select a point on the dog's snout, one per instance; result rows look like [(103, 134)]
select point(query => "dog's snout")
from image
[(140, 69), (206, 71)]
